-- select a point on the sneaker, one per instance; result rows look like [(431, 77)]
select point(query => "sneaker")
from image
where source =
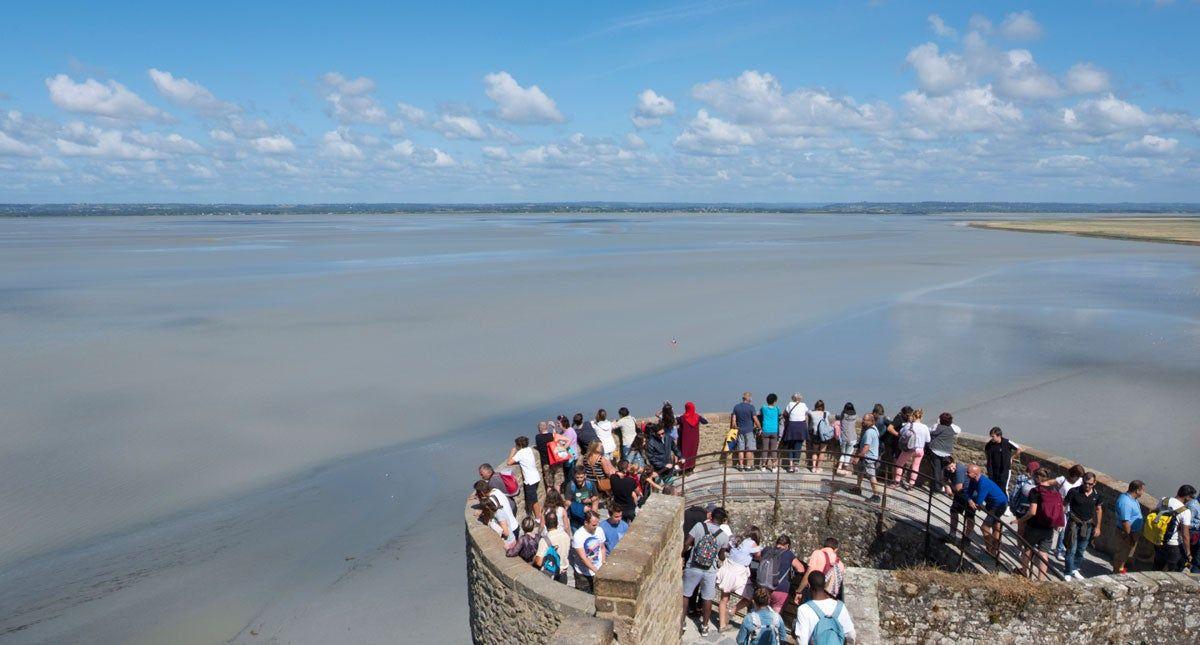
[(874, 498), (1078, 576), (705, 630), (1122, 570)]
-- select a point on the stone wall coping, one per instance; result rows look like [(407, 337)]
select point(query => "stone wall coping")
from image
[(583, 630)]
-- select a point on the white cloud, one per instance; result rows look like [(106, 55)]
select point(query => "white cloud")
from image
[(273, 145), (973, 109), (1085, 78), (518, 104), (709, 135), (1022, 78), (758, 99), (1020, 26), (189, 94), (350, 100), (109, 99), (980, 24), (11, 147), (1155, 145), (937, 73), (441, 159), (1111, 114), (459, 127), (411, 113), (108, 144), (634, 141), (404, 148), (651, 108), (940, 27), (222, 136), (336, 144)]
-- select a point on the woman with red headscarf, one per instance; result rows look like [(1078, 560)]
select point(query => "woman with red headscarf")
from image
[(689, 434)]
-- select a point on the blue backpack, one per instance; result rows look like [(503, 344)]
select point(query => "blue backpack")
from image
[(828, 630), (551, 562)]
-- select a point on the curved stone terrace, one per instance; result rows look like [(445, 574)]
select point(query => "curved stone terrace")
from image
[(637, 590)]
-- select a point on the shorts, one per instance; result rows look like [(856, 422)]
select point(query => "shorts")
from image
[(706, 579), (994, 513), (531, 493), (1039, 538), (779, 599), (960, 506), (746, 441), (866, 468)]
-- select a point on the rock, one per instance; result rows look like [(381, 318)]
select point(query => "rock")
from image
[(909, 588)]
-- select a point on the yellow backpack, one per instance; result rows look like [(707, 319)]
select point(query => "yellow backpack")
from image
[(1160, 524)]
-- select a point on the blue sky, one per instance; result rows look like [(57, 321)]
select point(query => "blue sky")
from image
[(703, 101)]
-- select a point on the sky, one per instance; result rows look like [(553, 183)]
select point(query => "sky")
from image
[(743, 101)]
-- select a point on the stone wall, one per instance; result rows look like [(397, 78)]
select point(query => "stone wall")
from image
[(638, 588), (1134, 608)]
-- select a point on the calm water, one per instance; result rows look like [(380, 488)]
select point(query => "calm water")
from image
[(203, 419)]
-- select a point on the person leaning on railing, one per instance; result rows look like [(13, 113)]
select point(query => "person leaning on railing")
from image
[(1129, 524), (663, 454)]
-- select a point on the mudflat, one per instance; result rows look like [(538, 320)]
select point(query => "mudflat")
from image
[(1173, 230)]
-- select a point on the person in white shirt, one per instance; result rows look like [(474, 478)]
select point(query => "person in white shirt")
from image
[(806, 614), (914, 436), (1175, 553), (627, 426), (795, 431), (604, 432), (1073, 480), (588, 551), (522, 455), (496, 511)]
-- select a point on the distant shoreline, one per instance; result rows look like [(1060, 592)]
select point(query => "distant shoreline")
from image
[(1164, 230)]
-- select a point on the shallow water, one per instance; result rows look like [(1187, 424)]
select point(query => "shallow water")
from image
[(172, 383)]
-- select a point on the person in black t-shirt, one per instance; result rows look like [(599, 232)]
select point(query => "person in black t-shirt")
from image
[(1000, 454), (624, 491), (1037, 531), (1084, 513), (541, 445)]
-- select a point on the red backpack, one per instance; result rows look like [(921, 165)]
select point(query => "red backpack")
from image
[(1050, 509), (511, 486)]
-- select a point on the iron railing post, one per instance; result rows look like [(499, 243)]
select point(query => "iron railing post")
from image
[(832, 492), (928, 528), (778, 475), (724, 481)]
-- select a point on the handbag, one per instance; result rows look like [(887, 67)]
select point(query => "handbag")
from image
[(604, 485)]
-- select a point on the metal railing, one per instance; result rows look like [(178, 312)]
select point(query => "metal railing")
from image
[(715, 477)]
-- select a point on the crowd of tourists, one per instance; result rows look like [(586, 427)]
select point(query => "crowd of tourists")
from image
[(583, 480)]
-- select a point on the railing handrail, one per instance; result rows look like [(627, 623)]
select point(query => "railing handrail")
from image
[(935, 500)]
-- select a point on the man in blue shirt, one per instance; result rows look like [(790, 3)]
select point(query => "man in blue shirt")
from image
[(987, 494), (958, 485), (1129, 524), (614, 527), (746, 418)]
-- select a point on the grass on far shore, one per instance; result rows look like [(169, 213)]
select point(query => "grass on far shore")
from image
[(1174, 230)]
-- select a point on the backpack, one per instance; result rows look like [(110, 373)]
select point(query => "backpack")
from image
[(525, 547), (761, 634), (1020, 496), (704, 553), (1050, 509), (511, 486), (552, 561), (770, 573), (823, 430), (833, 575), (1160, 524), (828, 630)]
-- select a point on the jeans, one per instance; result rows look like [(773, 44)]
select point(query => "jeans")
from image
[(1077, 537), (847, 449)]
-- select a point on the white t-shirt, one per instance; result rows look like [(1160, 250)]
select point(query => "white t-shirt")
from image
[(528, 463), (1183, 518), (806, 620), (604, 432), (495, 526), (628, 426), (796, 411), (743, 553), (1065, 487), (919, 436), (593, 546), (505, 513)]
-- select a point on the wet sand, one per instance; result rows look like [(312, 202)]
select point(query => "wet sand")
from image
[(1172, 230), (254, 418)]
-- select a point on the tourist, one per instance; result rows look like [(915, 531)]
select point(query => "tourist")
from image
[(983, 493), (588, 552), (627, 428), (1084, 516), (733, 576), (958, 487), (553, 545), (795, 432), (637, 452), (747, 425), (614, 527), (568, 431), (489, 515), (941, 446), (1045, 514), (689, 434), (820, 434), (557, 506), (847, 423), (769, 422), (624, 491), (1129, 524), (914, 436), (1175, 552), (597, 467), (866, 462), (493, 479), (891, 440), (823, 619), (663, 454), (1024, 484), (1000, 455), (585, 434), (582, 497), (777, 567), (705, 540), (1072, 480), (666, 419), (764, 625), (826, 561), (1193, 507), (604, 432), (522, 455), (504, 512)]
